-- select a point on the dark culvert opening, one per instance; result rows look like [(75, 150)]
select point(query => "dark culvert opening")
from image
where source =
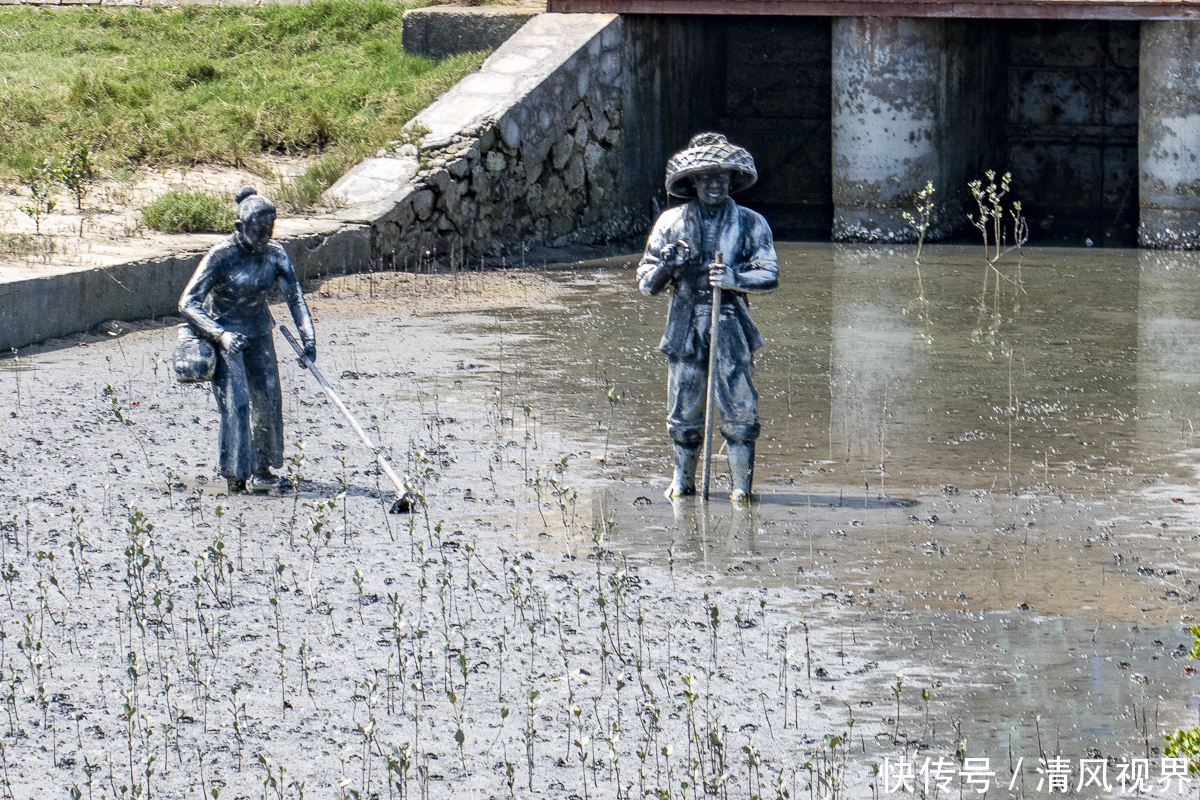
[(1071, 129), (1064, 94)]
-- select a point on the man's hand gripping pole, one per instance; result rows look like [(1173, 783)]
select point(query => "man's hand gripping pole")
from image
[(306, 363)]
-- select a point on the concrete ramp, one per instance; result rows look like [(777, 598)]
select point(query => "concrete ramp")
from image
[(526, 152)]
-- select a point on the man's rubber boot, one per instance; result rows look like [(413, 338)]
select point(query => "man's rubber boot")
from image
[(265, 479), (741, 470), (684, 482)]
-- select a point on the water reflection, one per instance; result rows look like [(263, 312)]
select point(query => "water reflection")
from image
[(874, 354), (991, 484), (1168, 347), (1037, 386)]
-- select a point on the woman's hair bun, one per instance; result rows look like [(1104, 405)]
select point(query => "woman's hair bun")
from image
[(243, 193)]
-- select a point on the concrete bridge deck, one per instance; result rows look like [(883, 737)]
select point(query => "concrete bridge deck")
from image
[(958, 9)]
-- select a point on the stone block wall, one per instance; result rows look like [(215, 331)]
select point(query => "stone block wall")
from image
[(440, 31), (526, 153)]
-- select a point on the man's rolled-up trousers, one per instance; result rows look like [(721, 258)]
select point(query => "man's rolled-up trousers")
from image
[(687, 382)]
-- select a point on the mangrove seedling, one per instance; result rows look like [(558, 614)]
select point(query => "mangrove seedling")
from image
[(76, 170), (42, 189)]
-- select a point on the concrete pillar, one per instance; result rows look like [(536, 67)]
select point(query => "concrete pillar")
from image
[(1169, 134), (887, 86), (914, 100)]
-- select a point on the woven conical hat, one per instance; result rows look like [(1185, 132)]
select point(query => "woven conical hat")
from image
[(710, 152)]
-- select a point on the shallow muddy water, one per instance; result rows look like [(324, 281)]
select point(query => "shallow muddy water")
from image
[(995, 490), (996, 503)]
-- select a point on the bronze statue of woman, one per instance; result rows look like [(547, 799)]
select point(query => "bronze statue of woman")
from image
[(225, 303)]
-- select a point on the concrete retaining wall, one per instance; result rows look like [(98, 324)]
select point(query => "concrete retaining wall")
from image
[(1169, 135), (442, 31), (57, 305), (912, 103)]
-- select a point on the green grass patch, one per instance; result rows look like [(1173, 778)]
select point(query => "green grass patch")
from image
[(305, 190), (210, 84), (190, 212)]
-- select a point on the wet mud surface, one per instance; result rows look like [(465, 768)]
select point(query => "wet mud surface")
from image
[(995, 503)]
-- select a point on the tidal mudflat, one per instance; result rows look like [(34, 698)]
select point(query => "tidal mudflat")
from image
[(973, 539)]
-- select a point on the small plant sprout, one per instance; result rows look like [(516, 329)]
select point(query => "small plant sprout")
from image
[(306, 665), (995, 223), (42, 188), (237, 712), (358, 585), (272, 777), (919, 222), (510, 778), (714, 622), (77, 547), (581, 751), (1185, 742), (896, 689), (76, 170), (398, 761), (284, 705), (295, 464), (532, 703), (367, 729), (614, 399)]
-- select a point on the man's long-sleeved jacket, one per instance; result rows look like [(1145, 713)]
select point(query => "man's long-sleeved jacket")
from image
[(744, 240)]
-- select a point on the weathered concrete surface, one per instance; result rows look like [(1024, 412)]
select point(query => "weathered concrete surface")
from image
[(912, 102), (54, 303), (527, 152), (1072, 129), (1169, 135), (441, 31)]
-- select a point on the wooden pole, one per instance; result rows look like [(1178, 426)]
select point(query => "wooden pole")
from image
[(711, 401), (337, 401)]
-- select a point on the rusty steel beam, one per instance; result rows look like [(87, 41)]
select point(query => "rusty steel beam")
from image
[(982, 9)]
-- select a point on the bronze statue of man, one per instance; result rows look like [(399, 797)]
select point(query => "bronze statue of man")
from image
[(681, 252), (225, 302)]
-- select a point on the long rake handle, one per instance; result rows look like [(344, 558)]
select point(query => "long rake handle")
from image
[(711, 400), (307, 363)]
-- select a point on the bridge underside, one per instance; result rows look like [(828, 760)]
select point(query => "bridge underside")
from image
[(1134, 10), (1097, 119)]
